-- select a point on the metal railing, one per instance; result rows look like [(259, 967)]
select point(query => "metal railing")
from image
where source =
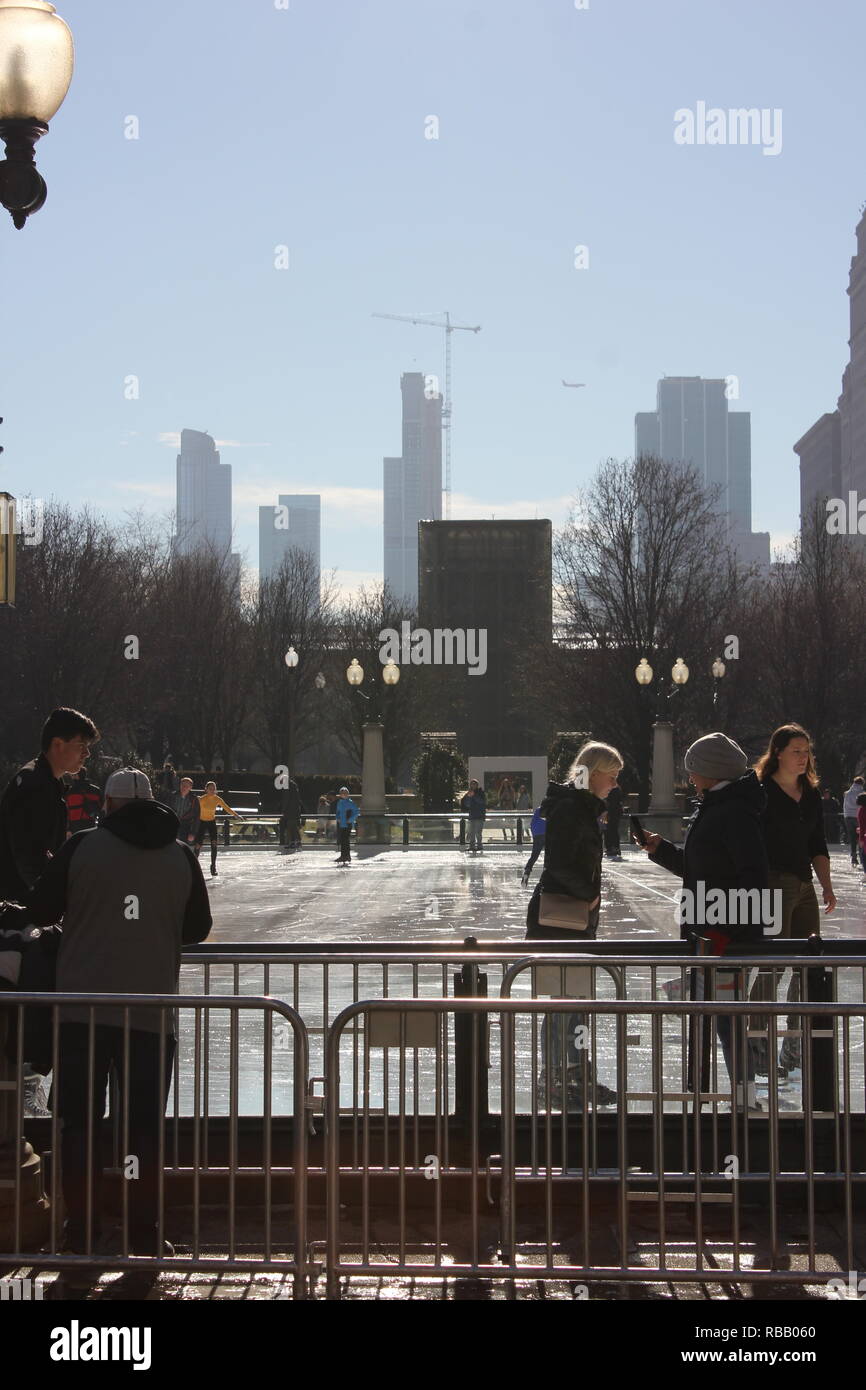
[(319, 983), (82, 1052), (564, 1176), (494, 1137)]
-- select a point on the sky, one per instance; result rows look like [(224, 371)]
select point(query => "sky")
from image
[(263, 124)]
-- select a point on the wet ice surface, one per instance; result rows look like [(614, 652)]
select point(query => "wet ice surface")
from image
[(397, 896), (401, 897)]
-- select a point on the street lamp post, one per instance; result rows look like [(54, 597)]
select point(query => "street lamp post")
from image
[(291, 659), (718, 670), (320, 684), (36, 62), (662, 801), (374, 827)]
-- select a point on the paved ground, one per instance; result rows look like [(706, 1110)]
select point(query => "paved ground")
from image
[(396, 895)]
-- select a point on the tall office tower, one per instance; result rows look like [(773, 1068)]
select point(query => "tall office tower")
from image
[(496, 576), (692, 425), (204, 500), (820, 454), (412, 485), (295, 523), (833, 451)]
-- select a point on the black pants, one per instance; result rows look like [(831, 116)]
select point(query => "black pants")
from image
[(611, 834), (207, 827), (537, 848), (344, 837), (146, 1113)]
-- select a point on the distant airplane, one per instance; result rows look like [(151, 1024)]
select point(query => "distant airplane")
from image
[(573, 383)]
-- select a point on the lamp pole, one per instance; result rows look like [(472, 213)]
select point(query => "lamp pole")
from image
[(291, 659), (662, 802), (374, 827)]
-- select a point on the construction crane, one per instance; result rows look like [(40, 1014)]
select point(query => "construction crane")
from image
[(443, 321)]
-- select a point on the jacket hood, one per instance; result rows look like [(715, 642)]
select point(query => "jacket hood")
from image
[(560, 792), (745, 789), (147, 824)]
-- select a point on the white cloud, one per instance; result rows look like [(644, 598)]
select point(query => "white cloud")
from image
[(172, 438)]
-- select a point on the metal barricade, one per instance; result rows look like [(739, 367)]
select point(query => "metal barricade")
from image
[(94, 1034), (586, 1193)]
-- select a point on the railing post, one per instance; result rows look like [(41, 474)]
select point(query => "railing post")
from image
[(520, 830), (819, 990), (405, 830), (470, 1045), (463, 830)]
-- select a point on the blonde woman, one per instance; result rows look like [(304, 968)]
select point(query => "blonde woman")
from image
[(565, 904)]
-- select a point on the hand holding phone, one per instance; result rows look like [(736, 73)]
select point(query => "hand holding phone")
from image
[(637, 831)]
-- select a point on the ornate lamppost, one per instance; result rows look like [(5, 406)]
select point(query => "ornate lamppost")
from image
[(36, 62)]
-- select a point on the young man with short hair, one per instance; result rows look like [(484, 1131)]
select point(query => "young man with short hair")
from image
[(33, 806)]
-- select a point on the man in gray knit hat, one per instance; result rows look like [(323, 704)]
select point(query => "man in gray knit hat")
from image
[(723, 854)]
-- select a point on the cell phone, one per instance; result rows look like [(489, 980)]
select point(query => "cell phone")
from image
[(637, 830)]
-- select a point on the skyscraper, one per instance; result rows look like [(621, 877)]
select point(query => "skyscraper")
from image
[(295, 523), (204, 500), (693, 426), (412, 485), (832, 452)]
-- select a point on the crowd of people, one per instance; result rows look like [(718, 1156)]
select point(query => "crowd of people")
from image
[(753, 828), (120, 871)]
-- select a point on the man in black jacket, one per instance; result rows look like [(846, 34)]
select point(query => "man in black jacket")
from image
[(33, 806), (723, 861), (130, 897)]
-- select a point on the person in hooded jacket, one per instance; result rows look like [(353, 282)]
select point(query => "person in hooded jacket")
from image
[(573, 850), (723, 850), (130, 896)]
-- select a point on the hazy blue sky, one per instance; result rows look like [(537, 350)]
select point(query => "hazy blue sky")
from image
[(306, 127)]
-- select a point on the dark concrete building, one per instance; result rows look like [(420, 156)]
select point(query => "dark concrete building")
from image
[(493, 576)]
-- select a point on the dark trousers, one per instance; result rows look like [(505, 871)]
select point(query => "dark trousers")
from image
[(537, 848), (851, 829), (611, 834), (207, 827), (344, 833), (146, 1113)]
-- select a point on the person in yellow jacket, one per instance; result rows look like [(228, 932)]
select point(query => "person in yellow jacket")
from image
[(208, 805)]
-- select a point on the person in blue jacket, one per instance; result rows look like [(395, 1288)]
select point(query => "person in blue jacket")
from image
[(347, 813), (537, 827)]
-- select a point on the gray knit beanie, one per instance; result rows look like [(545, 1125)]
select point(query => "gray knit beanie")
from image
[(716, 756)]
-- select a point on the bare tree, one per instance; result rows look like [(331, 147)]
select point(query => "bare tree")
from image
[(642, 569)]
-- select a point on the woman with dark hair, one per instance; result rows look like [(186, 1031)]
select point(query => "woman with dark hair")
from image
[(793, 825)]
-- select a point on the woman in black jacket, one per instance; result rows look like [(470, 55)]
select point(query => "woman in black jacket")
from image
[(722, 861), (793, 825), (573, 850)]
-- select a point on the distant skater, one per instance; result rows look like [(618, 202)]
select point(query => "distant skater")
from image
[(347, 815), (208, 805), (538, 827)]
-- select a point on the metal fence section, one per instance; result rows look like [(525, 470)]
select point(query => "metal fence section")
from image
[(318, 984), (150, 1049), (584, 1193)]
